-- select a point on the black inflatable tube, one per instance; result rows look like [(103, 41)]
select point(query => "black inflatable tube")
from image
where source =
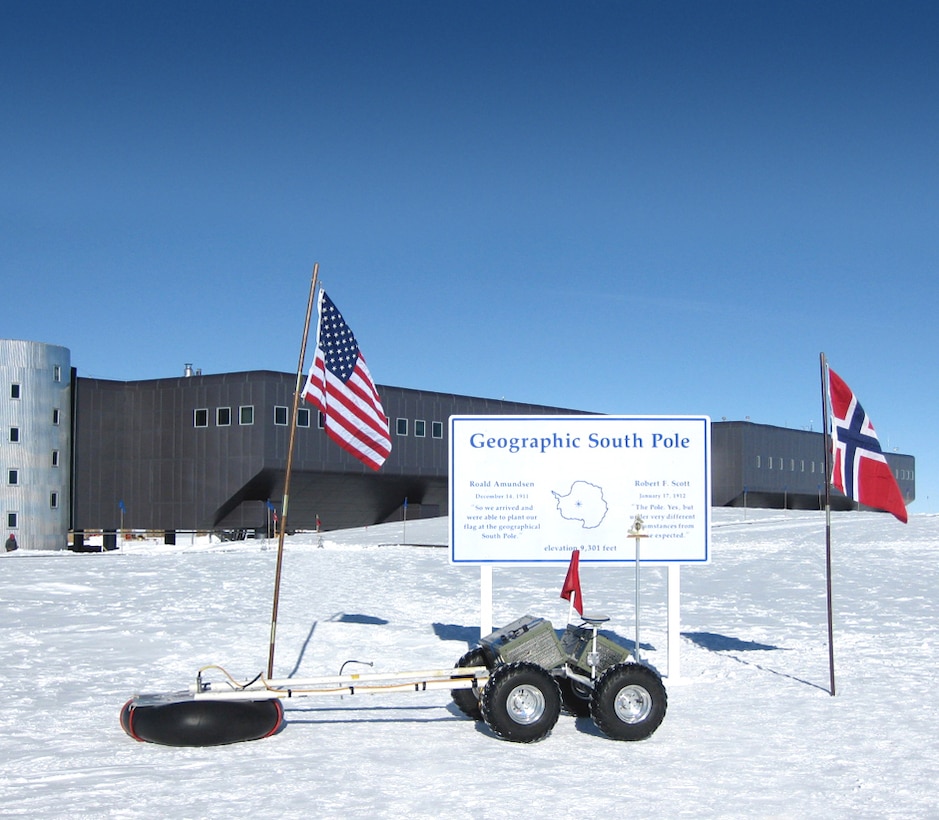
[(185, 721)]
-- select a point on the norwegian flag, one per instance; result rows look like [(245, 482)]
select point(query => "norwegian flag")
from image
[(859, 468), (340, 385)]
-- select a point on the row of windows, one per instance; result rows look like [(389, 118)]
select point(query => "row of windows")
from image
[(14, 474), (56, 417), (16, 389), (15, 438), (780, 464), (420, 428), (13, 517), (54, 460), (224, 416)]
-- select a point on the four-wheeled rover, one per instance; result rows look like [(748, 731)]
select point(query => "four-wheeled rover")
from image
[(533, 673)]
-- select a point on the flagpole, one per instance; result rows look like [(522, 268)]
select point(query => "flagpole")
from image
[(826, 424), (290, 448)]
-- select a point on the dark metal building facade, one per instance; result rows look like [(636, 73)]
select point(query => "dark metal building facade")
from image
[(207, 452), (765, 466)]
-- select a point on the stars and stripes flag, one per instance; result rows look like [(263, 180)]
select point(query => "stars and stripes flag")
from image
[(340, 385), (859, 468)]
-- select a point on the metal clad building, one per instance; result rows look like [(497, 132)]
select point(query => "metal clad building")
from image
[(765, 466), (35, 442), (207, 452)]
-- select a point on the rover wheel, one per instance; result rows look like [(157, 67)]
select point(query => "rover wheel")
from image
[(521, 702), (575, 697), (467, 700), (628, 702)]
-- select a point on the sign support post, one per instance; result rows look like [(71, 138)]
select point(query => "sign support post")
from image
[(674, 621), (637, 534), (485, 600)]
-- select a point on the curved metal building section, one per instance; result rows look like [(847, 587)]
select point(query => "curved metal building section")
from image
[(35, 443)]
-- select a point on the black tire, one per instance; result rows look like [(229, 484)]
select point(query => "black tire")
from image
[(467, 700), (629, 702), (575, 697), (521, 702), (183, 721)]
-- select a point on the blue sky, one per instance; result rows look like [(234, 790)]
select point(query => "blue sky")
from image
[(624, 207)]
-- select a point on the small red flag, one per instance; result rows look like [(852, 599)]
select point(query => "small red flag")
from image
[(572, 583)]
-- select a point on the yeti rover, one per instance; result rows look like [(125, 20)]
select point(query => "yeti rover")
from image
[(533, 673)]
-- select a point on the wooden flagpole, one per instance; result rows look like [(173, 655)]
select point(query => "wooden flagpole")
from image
[(826, 422), (290, 448)]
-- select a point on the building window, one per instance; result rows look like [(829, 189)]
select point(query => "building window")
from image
[(14, 391), (56, 373), (200, 417), (436, 429), (303, 417), (14, 434), (54, 500), (13, 476), (246, 414), (420, 428), (280, 416), (758, 465), (401, 427), (12, 520), (55, 458), (223, 416), (321, 420), (55, 416)]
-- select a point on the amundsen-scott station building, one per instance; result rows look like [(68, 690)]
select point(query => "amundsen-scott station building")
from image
[(208, 452)]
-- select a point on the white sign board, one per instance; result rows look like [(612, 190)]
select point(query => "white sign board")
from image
[(530, 489)]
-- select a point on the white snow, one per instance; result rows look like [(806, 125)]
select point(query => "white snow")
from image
[(751, 729)]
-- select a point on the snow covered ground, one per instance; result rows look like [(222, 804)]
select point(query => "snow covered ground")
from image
[(751, 729)]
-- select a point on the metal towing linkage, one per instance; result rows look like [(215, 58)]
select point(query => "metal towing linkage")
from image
[(517, 681)]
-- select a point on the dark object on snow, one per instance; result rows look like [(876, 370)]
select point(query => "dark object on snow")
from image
[(11, 543), (181, 720)]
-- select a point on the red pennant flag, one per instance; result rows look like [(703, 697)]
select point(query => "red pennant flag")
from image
[(860, 470), (572, 583)]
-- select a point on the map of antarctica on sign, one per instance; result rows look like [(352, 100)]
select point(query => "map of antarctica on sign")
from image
[(531, 489)]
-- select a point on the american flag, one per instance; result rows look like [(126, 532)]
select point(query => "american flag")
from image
[(340, 385), (859, 468)]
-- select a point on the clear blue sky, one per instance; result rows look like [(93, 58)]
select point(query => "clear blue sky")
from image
[(626, 207)]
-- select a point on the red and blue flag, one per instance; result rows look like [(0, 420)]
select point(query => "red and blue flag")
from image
[(859, 468)]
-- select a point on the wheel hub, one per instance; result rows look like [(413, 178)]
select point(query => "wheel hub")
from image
[(525, 704), (633, 704)]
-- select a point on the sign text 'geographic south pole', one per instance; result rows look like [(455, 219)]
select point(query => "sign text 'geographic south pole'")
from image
[(530, 489)]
